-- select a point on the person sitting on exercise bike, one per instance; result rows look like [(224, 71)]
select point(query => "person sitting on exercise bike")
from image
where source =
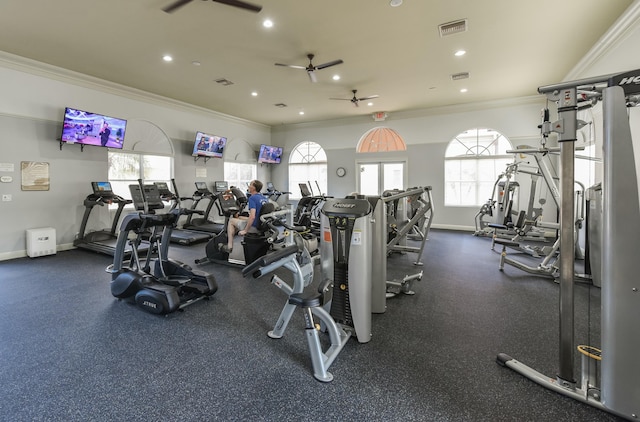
[(242, 224)]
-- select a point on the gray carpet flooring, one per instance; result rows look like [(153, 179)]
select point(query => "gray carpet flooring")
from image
[(71, 352)]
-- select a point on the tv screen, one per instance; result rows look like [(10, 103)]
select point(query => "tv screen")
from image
[(209, 145), (85, 128), (269, 154)]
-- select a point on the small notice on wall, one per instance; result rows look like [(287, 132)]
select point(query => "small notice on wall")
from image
[(6, 166), (35, 175)]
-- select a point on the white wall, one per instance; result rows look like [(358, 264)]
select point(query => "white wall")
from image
[(31, 111), (427, 133)]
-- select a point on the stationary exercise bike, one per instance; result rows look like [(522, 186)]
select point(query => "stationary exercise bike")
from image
[(246, 249), (158, 284)]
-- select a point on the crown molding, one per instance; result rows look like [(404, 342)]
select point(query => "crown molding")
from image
[(26, 65)]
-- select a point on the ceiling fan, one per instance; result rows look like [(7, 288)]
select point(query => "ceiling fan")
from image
[(310, 68), (235, 3), (355, 99)]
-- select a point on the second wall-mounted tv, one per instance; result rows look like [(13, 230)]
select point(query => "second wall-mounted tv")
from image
[(269, 154), (209, 145), (86, 128)]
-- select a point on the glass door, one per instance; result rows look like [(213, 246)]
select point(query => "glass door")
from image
[(376, 177)]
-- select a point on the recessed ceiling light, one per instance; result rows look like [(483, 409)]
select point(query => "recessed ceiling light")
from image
[(369, 104), (196, 63), (463, 90), (336, 77), (395, 3), (167, 58), (267, 23), (301, 112), (460, 53), (254, 94)]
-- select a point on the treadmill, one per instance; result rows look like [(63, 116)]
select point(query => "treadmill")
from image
[(202, 224), (103, 241), (180, 236)]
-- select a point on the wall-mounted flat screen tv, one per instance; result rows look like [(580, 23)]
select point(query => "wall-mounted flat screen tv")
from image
[(86, 128), (269, 154), (209, 145)]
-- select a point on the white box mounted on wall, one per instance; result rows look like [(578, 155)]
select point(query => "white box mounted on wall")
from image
[(41, 242)]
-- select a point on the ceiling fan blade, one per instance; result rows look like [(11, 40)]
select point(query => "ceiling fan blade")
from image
[(291, 65), (241, 4), (328, 64), (312, 76), (343, 99), (175, 5), (370, 97)]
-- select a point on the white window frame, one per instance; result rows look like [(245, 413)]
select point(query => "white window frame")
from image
[(477, 153), (300, 158), (240, 183), (140, 171)]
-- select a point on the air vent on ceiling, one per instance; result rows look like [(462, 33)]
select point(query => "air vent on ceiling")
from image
[(281, 105), (458, 76), (223, 81), (454, 27)]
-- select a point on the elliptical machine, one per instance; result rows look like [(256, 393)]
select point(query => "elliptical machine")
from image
[(158, 285)]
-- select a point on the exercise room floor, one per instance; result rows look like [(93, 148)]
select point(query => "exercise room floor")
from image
[(72, 352)]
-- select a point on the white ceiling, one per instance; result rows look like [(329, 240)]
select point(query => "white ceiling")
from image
[(513, 46)]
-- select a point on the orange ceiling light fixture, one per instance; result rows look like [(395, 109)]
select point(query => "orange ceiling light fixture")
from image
[(381, 139)]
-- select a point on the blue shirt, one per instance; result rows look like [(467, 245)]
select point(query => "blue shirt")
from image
[(255, 202)]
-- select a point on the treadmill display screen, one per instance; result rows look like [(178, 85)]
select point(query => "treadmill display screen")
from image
[(101, 187), (221, 186)]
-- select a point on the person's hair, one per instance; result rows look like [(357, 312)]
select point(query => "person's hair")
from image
[(258, 185)]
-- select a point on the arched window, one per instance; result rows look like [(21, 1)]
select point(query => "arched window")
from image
[(149, 156), (473, 161), (307, 164)]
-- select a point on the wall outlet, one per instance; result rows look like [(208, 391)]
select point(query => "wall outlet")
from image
[(6, 198)]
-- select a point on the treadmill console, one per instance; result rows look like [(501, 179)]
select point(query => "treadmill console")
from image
[(201, 188), (304, 190), (102, 189), (220, 186), (151, 196), (163, 190)]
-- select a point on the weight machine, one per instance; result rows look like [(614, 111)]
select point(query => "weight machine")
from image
[(420, 213), (548, 267), (617, 389)]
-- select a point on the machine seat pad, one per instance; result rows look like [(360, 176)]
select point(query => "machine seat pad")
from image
[(306, 300)]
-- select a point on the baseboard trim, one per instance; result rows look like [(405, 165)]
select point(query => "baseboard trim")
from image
[(453, 227), (5, 256)]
